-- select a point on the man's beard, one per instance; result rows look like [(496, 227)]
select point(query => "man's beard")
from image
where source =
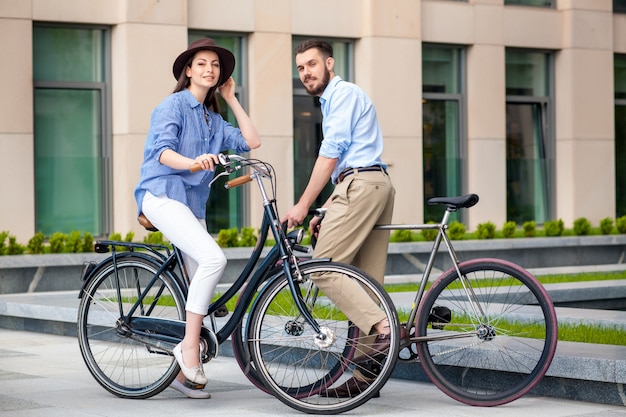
[(320, 89)]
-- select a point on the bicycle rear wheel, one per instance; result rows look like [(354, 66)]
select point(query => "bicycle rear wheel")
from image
[(123, 365), (495, 349), (303, 371)]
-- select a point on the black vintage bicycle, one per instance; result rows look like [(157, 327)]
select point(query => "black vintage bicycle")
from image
[(289, 338)]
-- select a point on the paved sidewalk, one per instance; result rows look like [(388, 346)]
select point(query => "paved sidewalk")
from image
[(44, 375)]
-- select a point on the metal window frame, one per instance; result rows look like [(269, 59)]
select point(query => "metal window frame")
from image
[(548, 105), (106, 145), (461, 99)]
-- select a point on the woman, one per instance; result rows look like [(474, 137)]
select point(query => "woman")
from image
[(186, 129)]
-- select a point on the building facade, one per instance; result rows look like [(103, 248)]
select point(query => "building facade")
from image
[(520, 101)]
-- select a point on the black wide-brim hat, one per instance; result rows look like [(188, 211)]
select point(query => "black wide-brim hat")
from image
[(227, 59)]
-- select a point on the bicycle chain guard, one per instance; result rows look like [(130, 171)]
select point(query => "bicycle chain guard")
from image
[(209, 344)]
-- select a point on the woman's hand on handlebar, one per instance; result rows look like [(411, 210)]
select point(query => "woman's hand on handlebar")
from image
[(206, 162)]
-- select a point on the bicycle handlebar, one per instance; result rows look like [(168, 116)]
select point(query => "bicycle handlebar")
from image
[(225, 161), (195, 168), (236, 182)]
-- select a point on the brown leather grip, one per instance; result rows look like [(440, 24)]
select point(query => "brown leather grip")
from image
[(236, 182), (195, 167)]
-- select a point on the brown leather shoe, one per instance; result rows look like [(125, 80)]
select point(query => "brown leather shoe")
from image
[(381, 345), (349, 389)]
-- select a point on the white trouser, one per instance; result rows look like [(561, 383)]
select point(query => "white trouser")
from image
[(204, 259)]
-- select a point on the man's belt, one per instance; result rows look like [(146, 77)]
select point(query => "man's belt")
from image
[(350, 171)]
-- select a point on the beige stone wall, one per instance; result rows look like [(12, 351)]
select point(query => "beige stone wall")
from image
[(148, 34), (17, 171)]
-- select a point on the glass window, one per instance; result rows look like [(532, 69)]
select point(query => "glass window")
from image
[(227, 208), (442, 109), (307, 123), (620, 134), (69, 99), (619, 6), (535, 3), (529, 137)]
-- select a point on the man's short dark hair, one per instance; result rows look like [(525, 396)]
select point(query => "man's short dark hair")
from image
[(324, 47)]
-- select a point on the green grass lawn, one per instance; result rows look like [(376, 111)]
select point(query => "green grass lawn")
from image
[(544, 279)]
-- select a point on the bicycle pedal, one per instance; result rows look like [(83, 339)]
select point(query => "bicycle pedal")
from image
[(192, 385)]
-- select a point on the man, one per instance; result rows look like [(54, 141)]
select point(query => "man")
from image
[(350, 155)]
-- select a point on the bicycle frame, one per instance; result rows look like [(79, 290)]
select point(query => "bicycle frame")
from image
[(441, 228), (282, 250)]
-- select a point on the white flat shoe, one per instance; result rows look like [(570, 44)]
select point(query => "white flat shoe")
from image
[(196, 394), (195, 374)]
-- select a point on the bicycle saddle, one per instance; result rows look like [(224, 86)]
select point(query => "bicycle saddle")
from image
[(143, 220), (464, 201)]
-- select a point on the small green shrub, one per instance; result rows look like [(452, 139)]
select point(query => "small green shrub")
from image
[(248, 237), (620, 223), (429, 234), (57, 242), (15, 248), (530, 228), (486, 230), (154, 238), (35, 244), (87, 243), (582, 226), (401, 236), (554, 227), (129, 237), (3, 238), (456, 230), (118, 238), (74, 242), (606, 226), (508, 229), (228, 238)]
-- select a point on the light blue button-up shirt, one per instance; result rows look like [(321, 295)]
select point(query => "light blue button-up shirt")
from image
[(350, 127), (179, 123)]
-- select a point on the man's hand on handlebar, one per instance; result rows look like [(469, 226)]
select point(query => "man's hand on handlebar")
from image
[(314, 226), (295, 216)]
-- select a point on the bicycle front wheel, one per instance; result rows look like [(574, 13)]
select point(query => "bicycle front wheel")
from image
[(491, 333), (122, 364), (308, 373)]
